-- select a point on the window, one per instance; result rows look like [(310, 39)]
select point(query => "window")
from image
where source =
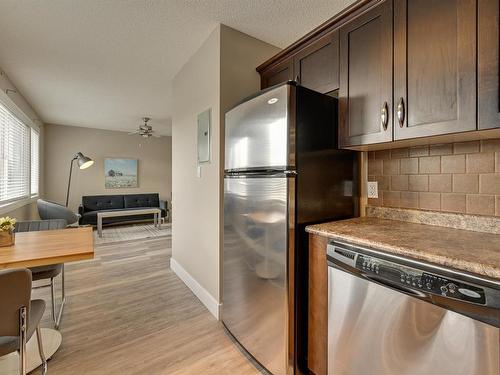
[(19, 158), (35, 163)]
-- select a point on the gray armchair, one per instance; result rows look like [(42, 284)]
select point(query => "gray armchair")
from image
[(51, 271), (50, 210), (19, 316)]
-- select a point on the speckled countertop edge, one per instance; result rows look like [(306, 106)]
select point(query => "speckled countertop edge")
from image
[(475, 268), (476, 223)]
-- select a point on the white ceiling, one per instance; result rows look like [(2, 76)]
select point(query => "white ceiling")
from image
[(107, 63)]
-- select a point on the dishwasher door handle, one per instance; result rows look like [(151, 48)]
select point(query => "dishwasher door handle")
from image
[(399, 288), (379, 280)]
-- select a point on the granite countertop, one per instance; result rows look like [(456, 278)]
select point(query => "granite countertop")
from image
[(464, 250)]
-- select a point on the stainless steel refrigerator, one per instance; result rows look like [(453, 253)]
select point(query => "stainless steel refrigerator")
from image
[(283, 171)]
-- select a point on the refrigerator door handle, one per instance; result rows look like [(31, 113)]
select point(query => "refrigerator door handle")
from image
[(261, 174)]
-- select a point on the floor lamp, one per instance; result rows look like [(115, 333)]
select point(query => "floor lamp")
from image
[(83, 163)]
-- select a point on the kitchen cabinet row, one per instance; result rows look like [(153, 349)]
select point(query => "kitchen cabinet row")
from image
[(404, 69)]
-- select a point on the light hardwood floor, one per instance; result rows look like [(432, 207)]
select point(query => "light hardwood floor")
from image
[(128, 313)]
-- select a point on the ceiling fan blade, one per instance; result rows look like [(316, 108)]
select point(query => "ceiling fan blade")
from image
[(132, 133)]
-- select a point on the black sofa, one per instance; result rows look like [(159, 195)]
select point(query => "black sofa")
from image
[(92, 204)]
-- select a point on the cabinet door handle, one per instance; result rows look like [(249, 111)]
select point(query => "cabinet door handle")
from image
[(384, 115), (400, 112)]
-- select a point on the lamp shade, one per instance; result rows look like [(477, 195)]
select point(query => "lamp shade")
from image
[(83, 161)]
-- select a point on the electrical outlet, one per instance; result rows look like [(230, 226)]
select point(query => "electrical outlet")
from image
[(372, 189)]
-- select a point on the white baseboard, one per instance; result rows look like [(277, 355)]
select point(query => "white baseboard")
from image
[(203, 295)]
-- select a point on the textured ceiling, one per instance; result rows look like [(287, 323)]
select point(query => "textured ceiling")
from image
[(107, 63)]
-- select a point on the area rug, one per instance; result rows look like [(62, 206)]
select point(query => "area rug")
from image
[(131, 232)]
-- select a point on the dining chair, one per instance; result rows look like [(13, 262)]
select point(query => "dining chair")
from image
[(49, 272), (19, 316)]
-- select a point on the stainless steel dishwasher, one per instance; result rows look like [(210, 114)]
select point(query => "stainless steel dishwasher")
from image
[(389, 315)]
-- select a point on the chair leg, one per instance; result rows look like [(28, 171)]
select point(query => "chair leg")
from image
[(22, 340), (57, 321), (53, 299), (40, 350), (63, 291), (57, 318)]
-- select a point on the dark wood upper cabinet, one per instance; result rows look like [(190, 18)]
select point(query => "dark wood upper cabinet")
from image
[(279, 73), (317, 65), (365, 95), (488, 65), (434, 67), (415, 71)]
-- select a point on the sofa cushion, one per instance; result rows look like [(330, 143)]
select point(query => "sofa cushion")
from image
[(102, 202), (141, 200)]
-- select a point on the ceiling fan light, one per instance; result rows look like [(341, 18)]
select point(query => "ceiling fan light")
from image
[(144, 130)]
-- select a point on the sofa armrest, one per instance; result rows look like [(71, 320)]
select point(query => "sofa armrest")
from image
[(80, 209), (164, 205)]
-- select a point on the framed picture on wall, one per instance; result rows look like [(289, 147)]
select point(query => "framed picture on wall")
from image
[(120, 173)]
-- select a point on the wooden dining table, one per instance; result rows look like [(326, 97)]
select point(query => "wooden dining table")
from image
[(43, 248)]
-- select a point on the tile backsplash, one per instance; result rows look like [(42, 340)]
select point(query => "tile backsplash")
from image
[(456, 177)]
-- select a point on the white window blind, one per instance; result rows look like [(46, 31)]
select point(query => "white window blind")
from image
[(35, 162), (15, 159)]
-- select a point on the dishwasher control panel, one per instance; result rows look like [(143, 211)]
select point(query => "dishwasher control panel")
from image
[(413, 278)]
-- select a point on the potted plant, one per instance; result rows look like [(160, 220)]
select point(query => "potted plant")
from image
[(7, 236)]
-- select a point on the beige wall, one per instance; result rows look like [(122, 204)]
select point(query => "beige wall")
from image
[(218, 75), (27, 211), (195, 223), (62, 142)]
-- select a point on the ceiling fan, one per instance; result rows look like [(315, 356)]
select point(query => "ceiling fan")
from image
[(145, 130)]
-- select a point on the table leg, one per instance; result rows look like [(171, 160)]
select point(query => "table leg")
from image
[(99, 225)]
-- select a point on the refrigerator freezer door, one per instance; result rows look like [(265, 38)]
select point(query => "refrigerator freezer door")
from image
[(255, 267), (257, 134)]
